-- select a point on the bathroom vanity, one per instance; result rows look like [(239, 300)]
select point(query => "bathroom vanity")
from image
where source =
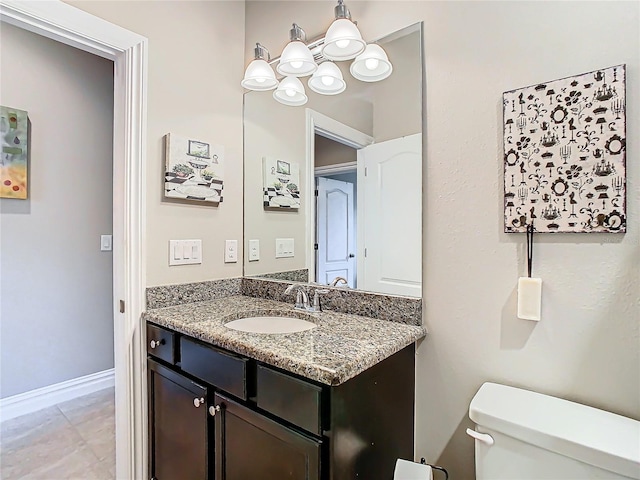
[(334, 402)]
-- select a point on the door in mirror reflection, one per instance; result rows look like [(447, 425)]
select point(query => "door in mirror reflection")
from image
[(390, 216), (335, 230), (375, 243)]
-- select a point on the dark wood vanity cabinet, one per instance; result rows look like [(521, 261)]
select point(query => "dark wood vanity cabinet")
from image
[(217, 415), (251, 446), (178, 426)]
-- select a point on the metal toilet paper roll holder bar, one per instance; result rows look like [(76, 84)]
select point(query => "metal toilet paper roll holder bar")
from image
[(436, 467)]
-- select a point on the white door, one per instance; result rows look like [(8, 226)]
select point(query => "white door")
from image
[(335, 231), (390, 216)]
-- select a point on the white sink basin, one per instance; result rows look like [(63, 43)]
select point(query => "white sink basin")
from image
[(270, 325)]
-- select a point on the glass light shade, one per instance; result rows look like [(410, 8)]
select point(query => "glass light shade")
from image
[(343, 41), (327, 80), (290, 92), (372, 65), (259, 76), (296, 60)]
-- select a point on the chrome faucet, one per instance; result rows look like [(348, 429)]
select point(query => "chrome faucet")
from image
[(336, 280), (302, 299)]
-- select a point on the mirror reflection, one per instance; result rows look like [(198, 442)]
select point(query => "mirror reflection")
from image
[(333, 190)]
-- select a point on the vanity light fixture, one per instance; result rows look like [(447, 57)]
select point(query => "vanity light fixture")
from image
[(372, 65), (259, 74), (327, 80), (343, 40), (290, 92), (296, 59)]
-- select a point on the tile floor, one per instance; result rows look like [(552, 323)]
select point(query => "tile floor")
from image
[(72, 440)]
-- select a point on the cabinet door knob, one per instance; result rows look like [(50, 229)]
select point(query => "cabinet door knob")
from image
[(213, 410), (156, 343), (198, 401)]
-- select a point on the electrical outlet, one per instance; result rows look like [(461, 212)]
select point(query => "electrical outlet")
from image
[(254, 250), (230, 251)]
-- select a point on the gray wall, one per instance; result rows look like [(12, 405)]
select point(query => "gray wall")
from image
[(586, 346), (56, 284)]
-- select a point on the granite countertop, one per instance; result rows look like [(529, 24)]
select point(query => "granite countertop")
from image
[(339, 348)]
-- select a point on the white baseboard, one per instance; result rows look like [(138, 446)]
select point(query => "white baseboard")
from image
[(49, 396)]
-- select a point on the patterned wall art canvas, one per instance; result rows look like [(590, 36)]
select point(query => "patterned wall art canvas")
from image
[(564, 154), (194, 169), (281, 183), (14, 130)]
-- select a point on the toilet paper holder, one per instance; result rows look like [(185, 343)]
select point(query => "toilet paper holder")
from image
[(436, 467)]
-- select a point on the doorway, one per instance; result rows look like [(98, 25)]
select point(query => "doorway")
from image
[(389, 192), (336, 182), (66, 24)]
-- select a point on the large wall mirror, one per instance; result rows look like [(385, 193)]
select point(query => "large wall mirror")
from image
[(333, 189)]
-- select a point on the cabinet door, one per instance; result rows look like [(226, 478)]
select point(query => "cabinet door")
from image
[(251, 446), (178, 433)]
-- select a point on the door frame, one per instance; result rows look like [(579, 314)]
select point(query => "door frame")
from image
[(346, 167), (320, 124), (128, 50)]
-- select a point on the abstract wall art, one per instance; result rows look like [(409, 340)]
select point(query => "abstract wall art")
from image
[(194, 169), (281, 183), (565, 154), (13, 160)]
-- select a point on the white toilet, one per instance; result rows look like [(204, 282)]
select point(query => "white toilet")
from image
[(525, 435)]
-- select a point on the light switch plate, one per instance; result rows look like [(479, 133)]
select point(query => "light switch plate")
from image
[(284, 247), (230, 251), (106, 243), (185, 252), (254, 250)]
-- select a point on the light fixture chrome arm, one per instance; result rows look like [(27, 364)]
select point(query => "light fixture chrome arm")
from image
[(259, 52), (297, 33), (341, 10)]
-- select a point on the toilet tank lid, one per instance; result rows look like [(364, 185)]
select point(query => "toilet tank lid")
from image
[(592, 436)]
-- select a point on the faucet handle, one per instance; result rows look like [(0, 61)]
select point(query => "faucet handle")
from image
[(316, 299)]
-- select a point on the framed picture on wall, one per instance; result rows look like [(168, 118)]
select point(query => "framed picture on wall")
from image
[(565, 154), (194, 169), (14, 133), (281, 186)]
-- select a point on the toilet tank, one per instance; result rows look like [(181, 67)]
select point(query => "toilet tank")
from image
[(525, 435)]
